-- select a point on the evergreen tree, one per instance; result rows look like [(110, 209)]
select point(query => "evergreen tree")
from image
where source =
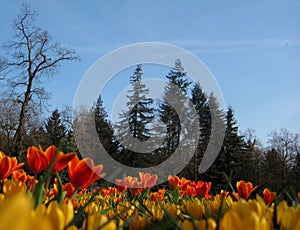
[(233, 149), (55, 129), (200, 101), (103, 127), (177, 79), (135, 122), (212, 133)]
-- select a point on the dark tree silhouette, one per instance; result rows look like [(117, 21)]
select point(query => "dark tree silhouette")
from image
[(31, 56)]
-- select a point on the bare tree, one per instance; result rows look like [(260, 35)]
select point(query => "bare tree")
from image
[(286, 143), (8, 121), (30, 57)]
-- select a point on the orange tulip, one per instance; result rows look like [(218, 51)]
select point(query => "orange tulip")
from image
[(39, 160), (19, 175), (268, 196), (8, 165), (224, 193), (299, 196), (147, 180), (244, 189), (203, 188), (83, 173), (68, 187), (174, 182), (134, 185), (121, 185), (131, 183), (159, 195), (190, 190), (109, 191), (184, 183)]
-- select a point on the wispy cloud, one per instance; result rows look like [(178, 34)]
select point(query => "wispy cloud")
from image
[(197, 45), (229, 45)]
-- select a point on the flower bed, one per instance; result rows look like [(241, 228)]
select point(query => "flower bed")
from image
[(42, 201)]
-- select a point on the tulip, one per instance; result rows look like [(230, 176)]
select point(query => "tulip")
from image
[(60, 215), (203, 188), (69, 188), (288, 217), (244, 189), (8, 165), (97, 220), (121, 185), (17, 213), (138, 222), (39, 160), (11, 188), (147, 180), (83, 173), (194, 208), (173, 182), (190, 190), (19, 175), (135, 187), (268, 196), (159, 195)]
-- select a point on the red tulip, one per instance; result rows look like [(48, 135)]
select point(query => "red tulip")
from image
[(147, 180), (121, 185), (159, 195), (268, 196), (68, 187), (134, 185), (203, 188), (8, 165), (174, 182), (39, 160), (190, 190), (83, 173), (244, 189), (19, 175), (184, 183)]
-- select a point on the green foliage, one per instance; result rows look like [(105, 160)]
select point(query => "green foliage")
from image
[(137, 117)]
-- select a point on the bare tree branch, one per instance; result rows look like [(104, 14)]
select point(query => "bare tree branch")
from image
[(31, 56)]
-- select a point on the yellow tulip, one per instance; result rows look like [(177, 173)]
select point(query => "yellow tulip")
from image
[(187, 225), (172, 209), (245, 215), (231, 221), (60, 215), (287, 217), (208, 224), (18, 213), (11, 187), (194, 208), (96, 220), (137, 223)]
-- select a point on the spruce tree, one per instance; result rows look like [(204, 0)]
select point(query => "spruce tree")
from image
[(103, 127), (135, 121), (169, 116), (212, 133), (200, 101), (233, 149), (55, 129)]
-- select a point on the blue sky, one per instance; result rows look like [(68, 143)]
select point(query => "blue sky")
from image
[(253, 49)]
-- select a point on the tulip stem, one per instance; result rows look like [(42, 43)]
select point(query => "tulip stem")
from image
[(34, 182), (48, 182)]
